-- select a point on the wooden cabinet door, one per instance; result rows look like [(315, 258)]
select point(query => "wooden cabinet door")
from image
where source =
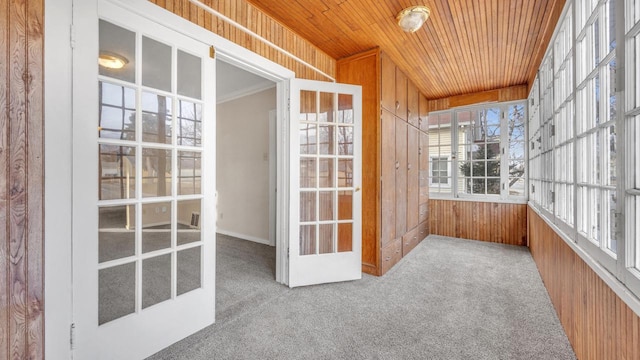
[(413, 102), (388, 83), (388, 176), (401, 177), (401, 95), (413, 177), (423, 154), (423, 119)]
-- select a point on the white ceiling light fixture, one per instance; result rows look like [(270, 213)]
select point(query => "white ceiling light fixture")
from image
[(110, 60), (412, 18)]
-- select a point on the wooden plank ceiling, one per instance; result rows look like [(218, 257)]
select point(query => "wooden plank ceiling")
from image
[(466, 46)]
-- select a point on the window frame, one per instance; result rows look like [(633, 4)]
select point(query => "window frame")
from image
[(503, 155)]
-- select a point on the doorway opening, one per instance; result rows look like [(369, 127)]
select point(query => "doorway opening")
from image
[(246, 162)]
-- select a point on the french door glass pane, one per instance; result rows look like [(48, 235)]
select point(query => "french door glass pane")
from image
[(156, 118), (116, 172), (116, 292), (308, 172), (188, 274), (156, 60), (307, 239), (345, 237), (117, 115), (116, 236), (156, 172), (345, 108), (117, 43), (156, 280), (189, 221), (327, 109), (156, 226), (189, 173), (327, 205), (326, 239), (189, 75), (189, 123)]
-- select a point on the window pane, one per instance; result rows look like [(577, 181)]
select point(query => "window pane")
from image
[(156, 172), (189, 272), (327, 173), (156, 226), (189, 173), (116, 171), (116, 234), (345, 108), (327, 200), (156, 280), (189, 123), (345, 235), (116, 44), (308, 206), (326, 239), (156, 118), (307, 239), (117, 115), (116, 292), (327, 108), (308, 109), (307, 173), (189, 75), (156, 60), (189, 221)]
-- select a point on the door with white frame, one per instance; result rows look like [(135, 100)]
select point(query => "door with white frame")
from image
[(144, 184), (325, 201)]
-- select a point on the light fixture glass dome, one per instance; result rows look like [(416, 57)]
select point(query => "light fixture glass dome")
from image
[(110, 60), (412, 18)]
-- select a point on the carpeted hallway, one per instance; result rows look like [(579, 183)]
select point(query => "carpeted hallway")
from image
[(448, 299)]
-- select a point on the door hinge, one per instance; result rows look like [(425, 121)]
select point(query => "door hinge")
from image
[(212, 52), (288, 253), (533, 188), (552, 195), (72, 335), (72, 36), (289, 104), (553, 130)]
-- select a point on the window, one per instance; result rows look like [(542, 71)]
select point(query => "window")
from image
[(479, 152), (440, 171), (631, 179), (581, 116)]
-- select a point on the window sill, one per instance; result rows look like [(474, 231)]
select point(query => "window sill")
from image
[(497, 200)]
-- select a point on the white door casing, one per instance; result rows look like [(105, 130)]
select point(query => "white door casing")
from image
[(325, 165), (153, 320)]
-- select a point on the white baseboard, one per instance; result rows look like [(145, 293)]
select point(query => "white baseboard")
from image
[(244, 237)]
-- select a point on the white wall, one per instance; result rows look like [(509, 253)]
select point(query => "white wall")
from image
[(243, 166)]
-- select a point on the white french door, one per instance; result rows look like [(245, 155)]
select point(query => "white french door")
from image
[(325, 201), (144, 184)]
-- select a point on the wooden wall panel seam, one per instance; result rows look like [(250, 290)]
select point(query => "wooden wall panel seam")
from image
[(5, 303), (35, 179), (17, 45)]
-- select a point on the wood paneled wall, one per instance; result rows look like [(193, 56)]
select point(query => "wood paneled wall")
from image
[(598, 323), (21, 179), (254, 19), (493, 222), (505, 94)]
